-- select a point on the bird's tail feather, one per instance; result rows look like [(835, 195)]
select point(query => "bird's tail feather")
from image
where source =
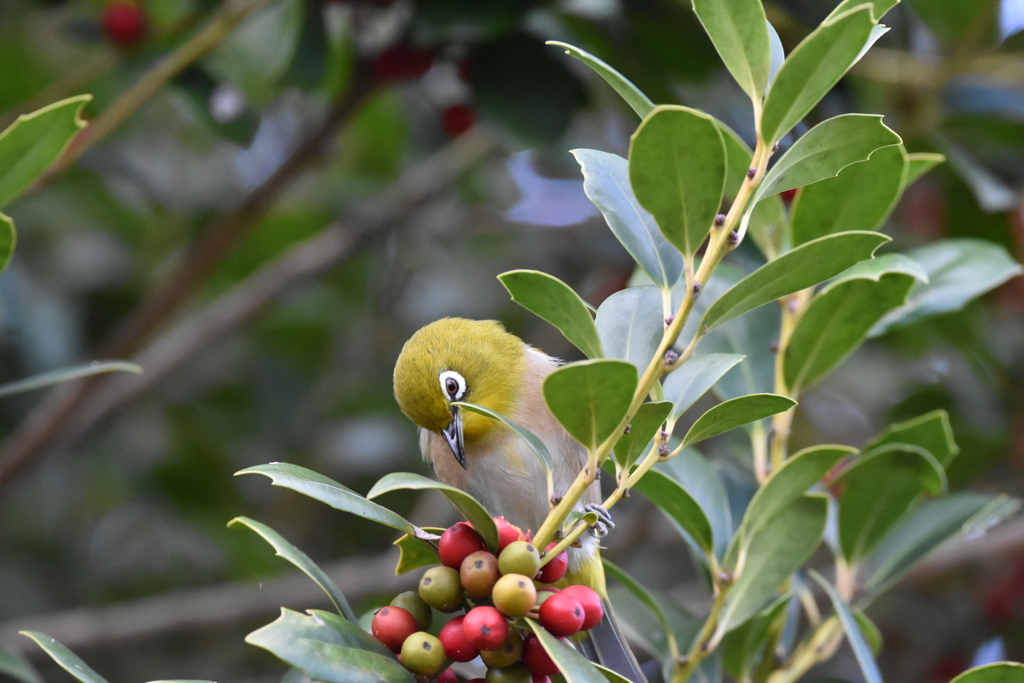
[(606, 645)]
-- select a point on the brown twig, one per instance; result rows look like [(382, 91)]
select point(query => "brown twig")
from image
[(45, 421)]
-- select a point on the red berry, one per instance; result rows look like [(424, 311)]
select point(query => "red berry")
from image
[(554, 570), (485, 627), (562, 615), (392, 625), (447, 676), (456, 645), (591, 603), (457, 119), (539, 679), (536, 658), (477, 680), (507, 533), (457, 542), (789, 195), (124, 23), (401, 62)]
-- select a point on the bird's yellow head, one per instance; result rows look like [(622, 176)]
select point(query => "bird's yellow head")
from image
[(454, 359)]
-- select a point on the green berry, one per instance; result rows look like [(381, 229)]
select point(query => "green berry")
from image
[(514, 595), (510, 652), (440, 588), (519, 557), (423, 654), (411, 602), (517, 673)]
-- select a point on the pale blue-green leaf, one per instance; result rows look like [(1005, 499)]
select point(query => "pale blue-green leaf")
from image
[(469, 506), (920, 163), (778, 55), (926, 528), (18, 668), (283, 548), (573, 666), (531, 439), (874, 269), (1000, 672), (638, 101), (768, 222), (630, 325), (695, 377), (861, 197), (879, 7), (691, 470), (861, 650), (878, 489), (590, 398), (67, 659), (837, 322), (553, 300), (959, 270), (736, 413), (930, 431), (791, 481), (739, 31), (779, 547), (606, 183), (643, 627), (825, 150), (34, 141), (638, 592), (319, 487), (677, 170), (868, 629), (52, 377), (803, 267), (812, 68)]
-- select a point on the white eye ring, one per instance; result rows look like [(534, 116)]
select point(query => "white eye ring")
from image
[(446, 378)]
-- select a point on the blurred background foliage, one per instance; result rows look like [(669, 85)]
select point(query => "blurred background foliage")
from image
[(274, 194)]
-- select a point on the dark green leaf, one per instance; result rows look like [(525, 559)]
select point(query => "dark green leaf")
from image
[(861, 650), (329, 663), (16, 667), (640, 103), (768, 222), (590, 398), (791, 481), (643, 428), (825, 150), (298, 558), (573, 666), (638, 592), (414, 553), (676, 502), (317, 625), (308, 64), (735, 413), (920, 163), (34, 141), (8, 239), (199, 86), (531, 439), (631, 325), (812, 68), (803, 267), (930, 431), (861, 197), (953, 21), (838, 319), (67, 659), (465, 503), (779, 547), (606, 182), (694, 474), (871, 634), (677, 170), (52, 377), (739, 30), (958, 271), (1000, 672), (878, 489), (328, 491), (695, 377), (551, 299), (741, 647), (924, 529)]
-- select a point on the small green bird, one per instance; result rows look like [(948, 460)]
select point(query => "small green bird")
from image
[(454, 359)]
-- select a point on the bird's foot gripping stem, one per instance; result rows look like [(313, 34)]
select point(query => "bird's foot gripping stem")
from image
[(604, 522)]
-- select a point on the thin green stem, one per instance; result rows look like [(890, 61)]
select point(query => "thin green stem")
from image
[(705, 642), (820, 646)]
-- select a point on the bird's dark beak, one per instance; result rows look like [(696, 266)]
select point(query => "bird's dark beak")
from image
[(453, 435)]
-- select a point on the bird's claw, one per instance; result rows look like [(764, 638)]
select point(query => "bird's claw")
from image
[(604, 522)]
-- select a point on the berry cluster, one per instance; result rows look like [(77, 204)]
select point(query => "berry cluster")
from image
[(497, 593)]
